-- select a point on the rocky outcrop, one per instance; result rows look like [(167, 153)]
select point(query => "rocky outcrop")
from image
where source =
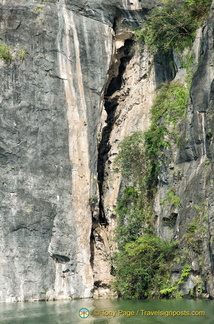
[(188, 171), (76, 86), (55, 240)]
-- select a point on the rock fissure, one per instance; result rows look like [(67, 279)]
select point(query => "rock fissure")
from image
[(99, 241), (123, 56)]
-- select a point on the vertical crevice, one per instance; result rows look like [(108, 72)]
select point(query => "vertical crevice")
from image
[(110, 103), (92, 248), (103, 150), (113, 85)]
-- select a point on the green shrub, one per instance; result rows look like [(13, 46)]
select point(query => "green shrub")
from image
[(197, 207), (168, 291), (22, 54), (172, 198), (38, 8), (142, 268), (205, 218), (173, 24), (131, 158), (198, 9), (134, 214), (170, 103), (132, 208), (142, 259), (5, 53), (192, 227), (154, 143), (169, 107), (184, 274), (174, 290)]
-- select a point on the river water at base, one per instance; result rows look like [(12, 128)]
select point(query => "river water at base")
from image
[(183, 311)]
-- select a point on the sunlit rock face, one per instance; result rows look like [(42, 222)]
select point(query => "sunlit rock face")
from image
[(76, 86), (53, 242)]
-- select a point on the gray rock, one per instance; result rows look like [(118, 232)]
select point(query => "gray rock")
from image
[(57, 141), (51, 114)]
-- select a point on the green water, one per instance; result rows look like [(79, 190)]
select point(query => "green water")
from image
[(111, 311)]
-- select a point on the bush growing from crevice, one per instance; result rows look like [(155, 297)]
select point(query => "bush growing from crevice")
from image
[(172, 198), (22, 54), (5, 53), (8, 53), (173, 24), (131, 159), (170, 103)]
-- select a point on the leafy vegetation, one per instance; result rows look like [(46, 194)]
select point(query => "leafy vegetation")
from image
[(170, 103), (142, 264), (192, 227), (133, 208), (22, 53), (168, 108), (173, 24), (172, 198), (131, 157), (142, 267), (133, 211), (38, 8), (185, 274), (143, 261), (168, 291), (197, 230), (174, 290), (5, 53)]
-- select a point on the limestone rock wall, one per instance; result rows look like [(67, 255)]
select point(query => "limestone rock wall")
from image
[(54, 238), (188, 170), (76, 86)]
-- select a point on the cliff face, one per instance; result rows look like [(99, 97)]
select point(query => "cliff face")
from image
[(188, 171), (52, 119), (76, 86)]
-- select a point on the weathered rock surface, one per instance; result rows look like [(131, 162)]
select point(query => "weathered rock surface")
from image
[(81, 87), (51, 114), (188, 170)]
